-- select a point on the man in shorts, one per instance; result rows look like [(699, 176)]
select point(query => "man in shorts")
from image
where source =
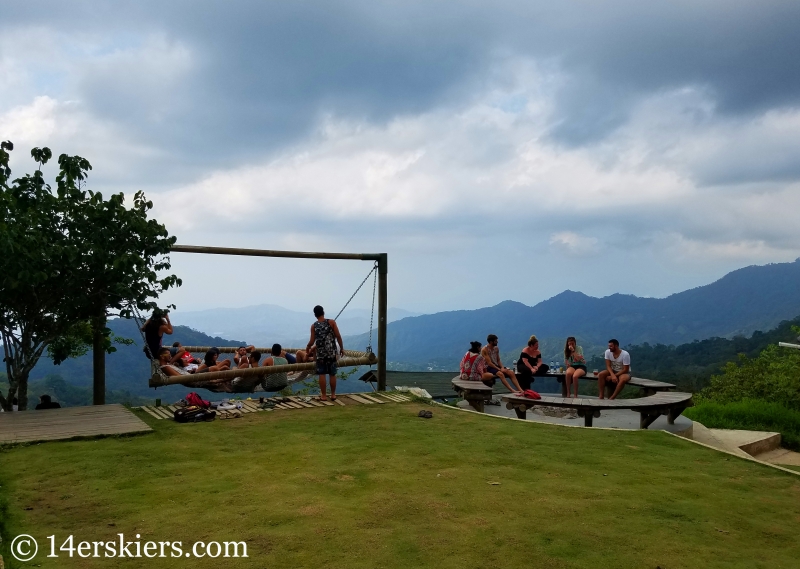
[(324, 336), (491, 353), (618, 369)]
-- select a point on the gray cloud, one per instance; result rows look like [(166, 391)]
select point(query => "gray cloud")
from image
[(668, 132), (263, 72)]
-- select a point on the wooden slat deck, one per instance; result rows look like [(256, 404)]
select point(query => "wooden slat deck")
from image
[(295, 402), (67, 423), (650, 408)]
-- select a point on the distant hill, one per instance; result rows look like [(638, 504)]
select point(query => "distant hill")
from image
[(743, 301), (266, 324)]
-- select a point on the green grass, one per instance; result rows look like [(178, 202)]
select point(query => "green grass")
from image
[(751, 414), (376, 486)]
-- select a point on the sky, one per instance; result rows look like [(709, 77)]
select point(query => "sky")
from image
[(504, 150)]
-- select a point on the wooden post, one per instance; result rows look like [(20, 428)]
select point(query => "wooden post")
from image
[(99, 361), (383, 270)]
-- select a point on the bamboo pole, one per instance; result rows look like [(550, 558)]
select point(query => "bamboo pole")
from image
[(264, 351), (157, 380)]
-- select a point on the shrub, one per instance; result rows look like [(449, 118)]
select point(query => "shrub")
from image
[(773, 376), (750, 414)]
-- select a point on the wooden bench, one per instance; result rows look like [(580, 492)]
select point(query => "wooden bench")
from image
[(476, 393), (649, 386), (650, 408)]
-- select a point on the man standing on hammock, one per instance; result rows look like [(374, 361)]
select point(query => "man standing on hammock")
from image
[(325, 333)]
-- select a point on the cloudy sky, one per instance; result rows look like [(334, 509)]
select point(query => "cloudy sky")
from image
[(504, 150)]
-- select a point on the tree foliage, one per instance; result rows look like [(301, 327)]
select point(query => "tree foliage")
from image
[(772, 376), (71, 258)]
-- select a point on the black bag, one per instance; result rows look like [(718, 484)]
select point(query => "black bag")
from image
[(193, 414)]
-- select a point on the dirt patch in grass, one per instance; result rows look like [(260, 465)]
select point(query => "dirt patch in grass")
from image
[(375, 486)]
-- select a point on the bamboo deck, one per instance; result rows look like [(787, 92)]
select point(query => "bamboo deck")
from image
[(67, 423), (251, 406)]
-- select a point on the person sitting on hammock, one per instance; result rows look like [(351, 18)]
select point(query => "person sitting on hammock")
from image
[(247, 384), (277, 359), (211, 363)]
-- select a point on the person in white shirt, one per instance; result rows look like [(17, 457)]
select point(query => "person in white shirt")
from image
[(618, 369)]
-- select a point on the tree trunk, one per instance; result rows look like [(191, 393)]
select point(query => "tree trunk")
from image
[(6, 403), (22, 391), (99, 360)]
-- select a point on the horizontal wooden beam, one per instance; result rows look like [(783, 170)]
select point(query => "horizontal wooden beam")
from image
[(270, 253)]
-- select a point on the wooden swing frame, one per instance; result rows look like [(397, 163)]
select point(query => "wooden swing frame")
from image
[(351, 357)]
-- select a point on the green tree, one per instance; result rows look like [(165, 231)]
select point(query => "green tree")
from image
[(120, 253), (773, 376), (71, 259)]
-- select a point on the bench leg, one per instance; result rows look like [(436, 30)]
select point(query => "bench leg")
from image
[(674, 413), (476, 404), (563, 383), (521, 411), (588, 415), (647, 417)]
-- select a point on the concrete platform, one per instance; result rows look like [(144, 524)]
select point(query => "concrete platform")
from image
[(68, 423), (612, 419)]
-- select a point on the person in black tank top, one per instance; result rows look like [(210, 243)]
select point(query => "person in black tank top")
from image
[(154, 329), (324, 336), (529, 364)]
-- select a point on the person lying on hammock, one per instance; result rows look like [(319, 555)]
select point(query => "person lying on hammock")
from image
[(241, 357), (170, 364), (304, 356)]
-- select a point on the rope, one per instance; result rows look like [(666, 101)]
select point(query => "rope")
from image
[(375, 268), (372, 313)]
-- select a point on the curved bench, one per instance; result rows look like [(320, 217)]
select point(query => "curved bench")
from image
[(650, 408), (476, 393), (649, 386)]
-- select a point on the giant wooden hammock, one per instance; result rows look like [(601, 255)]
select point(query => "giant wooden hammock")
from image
[(268, 378)]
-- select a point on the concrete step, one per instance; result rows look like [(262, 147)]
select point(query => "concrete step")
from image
[(742, 443)]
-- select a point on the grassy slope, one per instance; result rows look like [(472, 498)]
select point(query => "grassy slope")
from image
[(371, 486)]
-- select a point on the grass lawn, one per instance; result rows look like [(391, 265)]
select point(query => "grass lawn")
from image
[(376, 486)]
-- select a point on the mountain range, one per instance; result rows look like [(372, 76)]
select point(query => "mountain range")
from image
[(741, 302), (265, 324)]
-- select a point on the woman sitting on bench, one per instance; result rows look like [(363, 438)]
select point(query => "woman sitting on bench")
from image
[(576, 364), (530, 363), (473, 366)]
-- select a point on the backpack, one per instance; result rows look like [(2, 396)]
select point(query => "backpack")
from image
[(193, 414), (326, 340), (194, 399)]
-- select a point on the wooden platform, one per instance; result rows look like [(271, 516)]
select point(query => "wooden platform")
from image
[(67, 423), (292, 403)]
